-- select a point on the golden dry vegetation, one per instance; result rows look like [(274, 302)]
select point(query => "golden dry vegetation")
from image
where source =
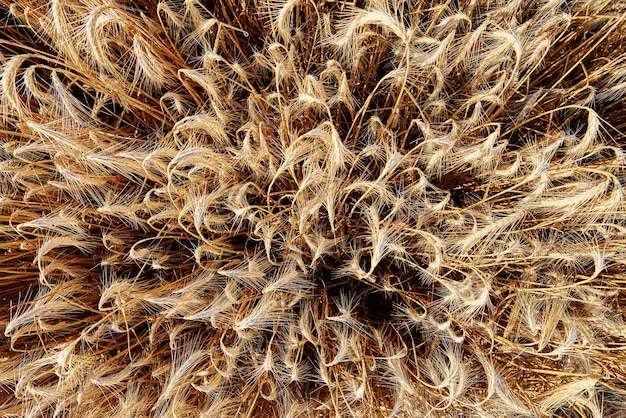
[(318, 209)]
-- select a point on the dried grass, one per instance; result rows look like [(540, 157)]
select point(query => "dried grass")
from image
[(296, 208)]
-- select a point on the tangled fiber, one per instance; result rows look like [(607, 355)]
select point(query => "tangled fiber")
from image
[(325, 209)]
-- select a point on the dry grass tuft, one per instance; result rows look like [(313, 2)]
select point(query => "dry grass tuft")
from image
[(297, 208)]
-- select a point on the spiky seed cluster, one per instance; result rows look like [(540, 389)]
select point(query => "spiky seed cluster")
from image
[(312, 209)]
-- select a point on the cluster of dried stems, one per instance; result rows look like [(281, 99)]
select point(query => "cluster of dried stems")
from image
[(299, 208)]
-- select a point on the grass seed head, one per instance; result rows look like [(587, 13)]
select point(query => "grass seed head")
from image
[(302, 208)]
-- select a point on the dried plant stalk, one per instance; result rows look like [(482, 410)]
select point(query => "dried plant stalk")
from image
[(297, 208)]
